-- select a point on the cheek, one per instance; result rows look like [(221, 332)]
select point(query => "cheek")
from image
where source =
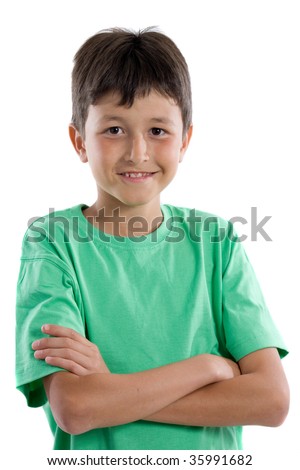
[(170, 154), (100, 156), (94, 148)]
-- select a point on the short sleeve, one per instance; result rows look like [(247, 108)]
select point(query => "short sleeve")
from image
[(46, 293), (247, 322)]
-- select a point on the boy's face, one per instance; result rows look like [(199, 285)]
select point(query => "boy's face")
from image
[(133, 152)]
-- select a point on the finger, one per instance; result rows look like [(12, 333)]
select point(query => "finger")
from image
[(67, 354), (62, 331), (66, 364), (61, 342)]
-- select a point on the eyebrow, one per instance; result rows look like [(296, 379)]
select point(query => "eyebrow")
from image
[(163, 120), (111, 117), (158, 120)]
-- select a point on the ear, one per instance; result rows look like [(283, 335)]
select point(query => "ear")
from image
[(185, 142), (78, 143)]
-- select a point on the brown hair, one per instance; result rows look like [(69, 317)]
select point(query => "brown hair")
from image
[(132, 64)]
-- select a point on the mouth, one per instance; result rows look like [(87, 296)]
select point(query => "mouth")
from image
[(137, 176)]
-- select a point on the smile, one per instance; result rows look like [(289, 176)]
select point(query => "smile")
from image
[(136, 175)]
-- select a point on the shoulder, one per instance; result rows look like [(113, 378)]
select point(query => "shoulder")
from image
[(48, 221), (208, 234), (45, 235), (205, 222), (55, 222)]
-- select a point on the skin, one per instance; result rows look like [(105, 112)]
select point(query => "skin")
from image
[(88, 396), (148, 137), (205, 390)]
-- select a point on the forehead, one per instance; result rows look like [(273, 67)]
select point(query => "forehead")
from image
[(153, 107)]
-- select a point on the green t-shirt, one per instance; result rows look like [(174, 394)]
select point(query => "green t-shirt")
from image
[(185, 289)]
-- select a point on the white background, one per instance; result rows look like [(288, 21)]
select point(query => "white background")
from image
[(244, 63)]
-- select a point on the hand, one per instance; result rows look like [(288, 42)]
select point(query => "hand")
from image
[(220, 368), (69, 350), (233, 369)]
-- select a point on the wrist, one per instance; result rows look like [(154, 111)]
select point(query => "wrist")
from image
[(214, 368)]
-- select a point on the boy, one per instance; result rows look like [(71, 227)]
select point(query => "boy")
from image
[(155, 334)]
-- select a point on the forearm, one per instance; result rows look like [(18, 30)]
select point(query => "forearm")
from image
[(258, 397), (229, 403), (101, 400)]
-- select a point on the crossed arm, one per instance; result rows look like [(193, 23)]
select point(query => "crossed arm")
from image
[(205, 390)]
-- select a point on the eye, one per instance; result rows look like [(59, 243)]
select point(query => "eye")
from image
[(157, 131), (115, 130)]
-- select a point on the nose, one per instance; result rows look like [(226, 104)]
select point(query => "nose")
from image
[(137, 151)]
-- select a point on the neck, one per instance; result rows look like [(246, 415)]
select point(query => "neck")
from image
[(123, 220)]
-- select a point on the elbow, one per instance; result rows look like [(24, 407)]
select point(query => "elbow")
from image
[(73, 406), (72, 418), (70, 410), (69, 424), (280, 413), (278, 407), (75, 409), (75, 415), (69, 418), (78, 419)]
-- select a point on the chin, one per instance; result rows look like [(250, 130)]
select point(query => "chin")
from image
[(135, 203), (135, 200)]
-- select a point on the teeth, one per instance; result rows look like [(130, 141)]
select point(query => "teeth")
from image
[(135, 175)]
